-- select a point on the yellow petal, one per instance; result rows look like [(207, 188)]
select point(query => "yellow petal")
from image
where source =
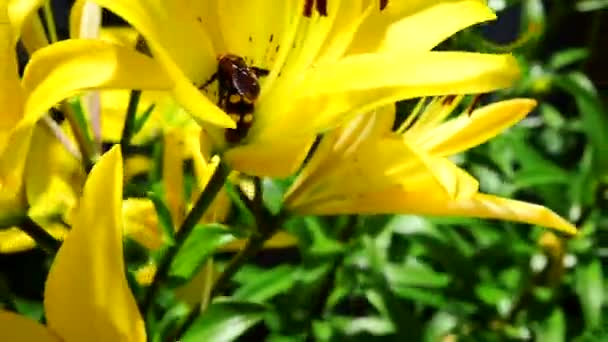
[(483, 124), (17, 328), (446, 18), (281, 239), (20, 11), (14, 240), (253, 43), (425, 29), (52, 189), (400, 200), (67, 67), (11, 93), (12, 164), (173, 174), (334, 92), (269, 159), (119, 35), (87, 296), (141, 222), (429, 73), (184, 62), (170, 42)]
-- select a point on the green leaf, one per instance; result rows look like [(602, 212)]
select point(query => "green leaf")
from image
[(164, 216), (272, 194), (589, 287), (439, 326), (224, 322), (143, 118), (591, 5), (414, 274), (553, 328), (594, 118), (245, 214), (567, 57), (265, 284), (202, 242)]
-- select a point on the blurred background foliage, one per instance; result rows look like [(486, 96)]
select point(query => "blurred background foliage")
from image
[(410, 278)]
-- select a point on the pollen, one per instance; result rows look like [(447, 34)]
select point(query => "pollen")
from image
[(235, 117), (246, 100), (234, 98), (248, 118)]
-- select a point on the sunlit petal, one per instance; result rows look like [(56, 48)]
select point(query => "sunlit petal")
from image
[(422, 30), (401, 200), (172, 46), (20, 12), (269, 159), (418, 21), (52, 189), (11, 93), (65, 68), (87, 277), (468, 131), (17, 328)]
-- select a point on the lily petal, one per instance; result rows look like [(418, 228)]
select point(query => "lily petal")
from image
[(269, 159), (12, 165), (51, 189), (333, 93), (20, 11), (67, 67), (14, 240), (11, 93), (87, 277), (173, 174), (401, 200), (431, 73), (17, 328), (422, 31), (413, 26), (482, 125), (172, 46)]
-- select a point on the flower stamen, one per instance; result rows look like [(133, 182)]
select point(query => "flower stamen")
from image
[(321, 7), (383, 4)]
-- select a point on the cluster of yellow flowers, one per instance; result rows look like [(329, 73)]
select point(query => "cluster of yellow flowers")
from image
[(334, 71)]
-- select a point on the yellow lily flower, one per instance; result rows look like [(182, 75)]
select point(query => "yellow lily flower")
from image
[(14, 141), (364, 167), (77, 302), (28, 188), (323, 66), (23, 15)]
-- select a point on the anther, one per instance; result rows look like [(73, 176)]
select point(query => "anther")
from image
[(308, 8), (474, 104), (383, 4), (321, 7), (448, 99)]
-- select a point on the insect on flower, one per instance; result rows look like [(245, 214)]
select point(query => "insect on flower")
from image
[(238, 89)]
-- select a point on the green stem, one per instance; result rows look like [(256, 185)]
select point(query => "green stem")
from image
[(84, 144), (50, 21), (45, 240), (253, 245), (213, 187), (129, 127)]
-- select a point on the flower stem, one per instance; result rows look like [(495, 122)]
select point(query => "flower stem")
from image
[(45, 240), (253, 245), (129, 127), (50, 21), (84, 142), (202, 203)]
